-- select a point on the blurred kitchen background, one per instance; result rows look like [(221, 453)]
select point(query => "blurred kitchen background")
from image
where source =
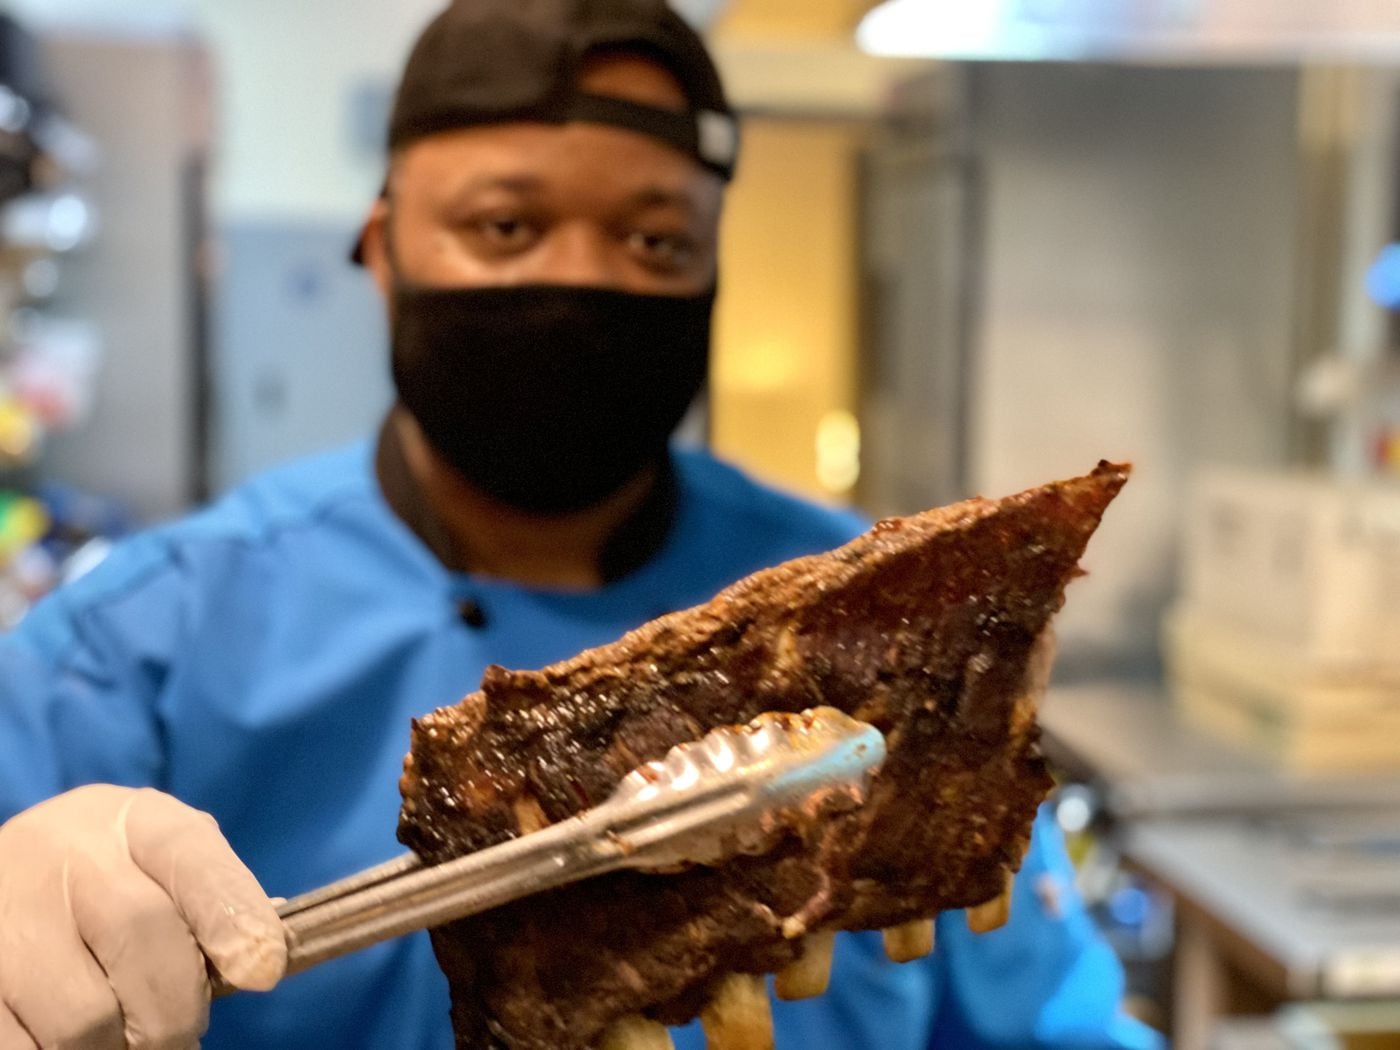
[(974, 246)]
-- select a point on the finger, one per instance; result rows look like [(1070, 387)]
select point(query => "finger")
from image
[(148, 953), (54, 988), (234, 923), (12, 1033)]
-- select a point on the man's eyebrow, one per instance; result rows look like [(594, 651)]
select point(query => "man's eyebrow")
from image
[(512, 183), (526, 184), (662, 197)]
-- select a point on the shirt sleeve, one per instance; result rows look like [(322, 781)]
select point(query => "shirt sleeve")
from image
[(1047, 980), (80, 679)]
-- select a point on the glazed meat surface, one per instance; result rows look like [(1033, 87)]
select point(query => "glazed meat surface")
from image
[(926, 627)]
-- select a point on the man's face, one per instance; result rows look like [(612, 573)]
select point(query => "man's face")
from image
[(578, 204)]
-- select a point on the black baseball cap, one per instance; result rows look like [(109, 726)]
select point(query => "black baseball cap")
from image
[(507, 61)]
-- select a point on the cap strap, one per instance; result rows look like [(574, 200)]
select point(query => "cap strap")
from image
[(692, 133)]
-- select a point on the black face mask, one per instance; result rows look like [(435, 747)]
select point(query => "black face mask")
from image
[(549, 398)]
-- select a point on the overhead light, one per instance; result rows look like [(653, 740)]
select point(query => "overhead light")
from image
[(933, 28), (1193, 31)]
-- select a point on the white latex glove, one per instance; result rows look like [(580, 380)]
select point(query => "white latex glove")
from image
[(110, 900)]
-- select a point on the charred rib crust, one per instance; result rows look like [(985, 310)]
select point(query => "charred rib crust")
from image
[(924, 627)]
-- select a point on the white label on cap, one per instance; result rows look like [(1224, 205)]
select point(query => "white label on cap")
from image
[(719, 138)]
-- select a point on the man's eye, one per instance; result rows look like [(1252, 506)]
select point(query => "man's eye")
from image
[(507, 232), (674, 251)]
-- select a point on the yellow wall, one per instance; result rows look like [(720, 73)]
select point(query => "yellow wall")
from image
[(787, 19), (784, 384), (785, 369)]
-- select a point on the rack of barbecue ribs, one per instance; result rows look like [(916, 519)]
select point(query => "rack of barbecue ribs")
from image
[(927, 627)]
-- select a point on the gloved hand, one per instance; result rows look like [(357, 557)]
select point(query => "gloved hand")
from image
[(110, 900)]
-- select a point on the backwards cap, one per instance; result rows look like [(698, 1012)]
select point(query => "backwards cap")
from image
[(508, 61)]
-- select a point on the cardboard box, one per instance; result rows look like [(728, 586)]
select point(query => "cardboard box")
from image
[(1276, 701), (1310, 563)]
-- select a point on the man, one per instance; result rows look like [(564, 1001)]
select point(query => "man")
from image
[(546, 246)]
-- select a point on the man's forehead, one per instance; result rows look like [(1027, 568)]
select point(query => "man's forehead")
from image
[(523, 157), (633, 76), (535, 159)]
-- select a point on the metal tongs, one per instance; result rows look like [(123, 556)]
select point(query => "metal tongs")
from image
[(733, 792)]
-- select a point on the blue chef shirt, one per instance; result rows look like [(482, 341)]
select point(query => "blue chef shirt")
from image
[(262, 660)]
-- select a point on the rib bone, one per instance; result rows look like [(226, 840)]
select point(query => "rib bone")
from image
[(636, 1033), (913, 940), (995, 913), (739, 1017), (810, 975)]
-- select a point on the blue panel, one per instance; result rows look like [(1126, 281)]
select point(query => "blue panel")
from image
[(1383, 281)]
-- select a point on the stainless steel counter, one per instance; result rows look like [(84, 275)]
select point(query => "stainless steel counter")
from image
[(1127, 741), (1311, 903), (1287, 886)]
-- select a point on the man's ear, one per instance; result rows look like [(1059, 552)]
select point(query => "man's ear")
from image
[(375, 244)]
